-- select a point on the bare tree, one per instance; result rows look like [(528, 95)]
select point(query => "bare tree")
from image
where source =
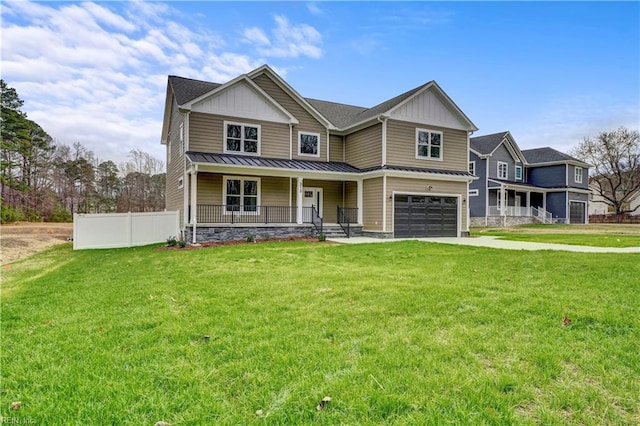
[(615, 157)]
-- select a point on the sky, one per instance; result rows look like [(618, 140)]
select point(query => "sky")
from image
[(551, 73)]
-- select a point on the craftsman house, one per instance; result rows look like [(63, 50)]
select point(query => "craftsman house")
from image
[(252, 157), (534, 185)]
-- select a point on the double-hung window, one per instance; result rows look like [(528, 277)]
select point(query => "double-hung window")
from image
[(518, 172), (309, 144), (241, 194), (241, 138), (503, 170), (577, 174), (472, 167), (429, 144)]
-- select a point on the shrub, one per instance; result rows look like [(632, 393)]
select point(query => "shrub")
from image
[(60, 214), (10, 214), (250, 238), (322, 237), (182, 243), (172, 241)]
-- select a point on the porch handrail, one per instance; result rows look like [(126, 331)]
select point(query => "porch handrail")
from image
[(316, 219), (344, 215), (542, 214)]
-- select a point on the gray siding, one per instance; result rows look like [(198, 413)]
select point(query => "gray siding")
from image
[(502, 154), (557, 204), (477, 204), (585, 178), (547, 176)]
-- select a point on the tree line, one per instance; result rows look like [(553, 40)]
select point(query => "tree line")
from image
[(42, 180)]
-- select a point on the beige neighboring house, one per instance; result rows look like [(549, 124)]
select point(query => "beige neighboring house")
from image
[(597, 205), (253, 157)]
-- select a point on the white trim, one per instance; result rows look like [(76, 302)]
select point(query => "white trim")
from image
[(586, 209), (506, 170), (317, 192), (384, 140), (516, 173), (472, 165), (474, 192), (428, 145), (384, 203), (577, 171), (180, 182), (317, 135), (242, 126), (226, 178), (431, 194)]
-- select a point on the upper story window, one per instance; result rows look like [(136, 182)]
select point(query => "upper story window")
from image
[(577, 174), (518, 172), (472, 167), (503, 170), (309, 144), (181, 145), (242, 138), (428, 144)]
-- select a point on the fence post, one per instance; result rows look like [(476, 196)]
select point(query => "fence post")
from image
[(130, 229)]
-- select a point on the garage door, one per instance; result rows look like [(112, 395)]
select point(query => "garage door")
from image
[(576, 212), (425, 216)]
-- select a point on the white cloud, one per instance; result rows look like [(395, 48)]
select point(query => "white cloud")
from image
[(314, 9), (287, 40), (97, 73)]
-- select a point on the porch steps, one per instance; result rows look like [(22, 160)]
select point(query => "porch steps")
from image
[(333, 231)]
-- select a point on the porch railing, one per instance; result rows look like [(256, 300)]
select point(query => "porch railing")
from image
[(509, 211), (346, 215), (234, 214), (543, 215)]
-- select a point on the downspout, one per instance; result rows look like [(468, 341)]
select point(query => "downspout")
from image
[(328, 144), (383, 120)]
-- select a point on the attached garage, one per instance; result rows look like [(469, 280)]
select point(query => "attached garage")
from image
[(425, 216), (577, 212)]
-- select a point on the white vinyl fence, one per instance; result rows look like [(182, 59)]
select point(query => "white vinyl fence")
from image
[(111, 230)]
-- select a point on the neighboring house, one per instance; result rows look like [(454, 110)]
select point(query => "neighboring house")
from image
[(598, 205), (517, 186), (253, 157)]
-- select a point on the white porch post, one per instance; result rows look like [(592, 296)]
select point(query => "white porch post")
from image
[(529, 202), (359, 200), (299, 199), (503, 206), (194, 202)]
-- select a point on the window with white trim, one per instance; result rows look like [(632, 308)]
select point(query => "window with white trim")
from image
[(181, 146), (241, 194), (503, 170), (518, 172), (309, 144), (577, 174), (429, 144), (180, 183), (241, 138), (472, 167), (473, 192)]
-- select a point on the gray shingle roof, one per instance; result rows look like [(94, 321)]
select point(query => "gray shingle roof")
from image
[(340, 115), (486, 144), (547, 155), (187, 89)]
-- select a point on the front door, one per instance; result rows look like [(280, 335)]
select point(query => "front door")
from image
[(312, 197)]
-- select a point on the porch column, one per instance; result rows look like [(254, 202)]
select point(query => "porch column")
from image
[(529, 203), (359, 201), (503, 205), (299, 200), (194, 202)]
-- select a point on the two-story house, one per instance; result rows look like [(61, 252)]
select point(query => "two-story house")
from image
[(253, 157), (522, 186)]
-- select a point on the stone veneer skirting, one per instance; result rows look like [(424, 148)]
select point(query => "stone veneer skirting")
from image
[(231, 233), (502, 221)]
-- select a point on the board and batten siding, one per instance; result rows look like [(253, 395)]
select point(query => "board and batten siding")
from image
[(336, 148), (307, 123), (364, 147), (207, 134), (174, 196), (401, 146), (373, 203), (420, 186)]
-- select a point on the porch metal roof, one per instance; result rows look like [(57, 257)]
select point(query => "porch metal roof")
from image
[(247, 161), (307, 165)]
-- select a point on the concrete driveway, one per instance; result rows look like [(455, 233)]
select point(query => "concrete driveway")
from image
[(493, 242)]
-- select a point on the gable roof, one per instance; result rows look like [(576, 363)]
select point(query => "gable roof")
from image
[(336, 115), (187, 89), (485, 145), (548, 155)]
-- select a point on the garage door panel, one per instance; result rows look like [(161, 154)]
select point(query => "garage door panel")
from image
[(576, 212), (425, 216)]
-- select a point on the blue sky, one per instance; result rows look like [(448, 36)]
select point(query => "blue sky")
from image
[(552, 73)]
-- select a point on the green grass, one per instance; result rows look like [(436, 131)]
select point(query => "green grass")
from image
[(572, 239), (396, 333)]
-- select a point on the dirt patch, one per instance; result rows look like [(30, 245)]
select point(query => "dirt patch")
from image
[(23, 239)]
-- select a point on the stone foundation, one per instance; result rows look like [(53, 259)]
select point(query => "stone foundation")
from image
[(501, 221), (230, 233)]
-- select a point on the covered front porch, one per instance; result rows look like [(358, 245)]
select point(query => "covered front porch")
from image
[(517, 200), (233, 201)]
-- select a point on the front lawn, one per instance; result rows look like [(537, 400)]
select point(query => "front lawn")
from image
[(402, 332)]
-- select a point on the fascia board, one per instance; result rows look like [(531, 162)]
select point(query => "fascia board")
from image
[(167, 115), (292, 92), (433, 85), (481, 156), (566, 162), (416, 175), (515, 148)]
